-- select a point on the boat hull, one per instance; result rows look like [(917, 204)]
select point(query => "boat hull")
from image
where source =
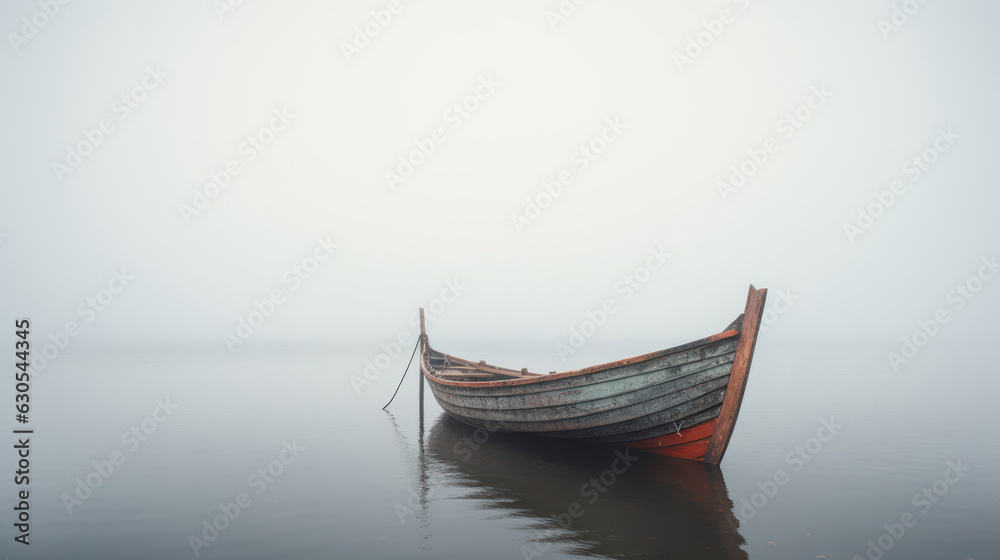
[(679, 402)]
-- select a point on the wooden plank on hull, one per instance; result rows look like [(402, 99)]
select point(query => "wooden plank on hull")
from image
[(673, 407), (450, 373), (553, 383), (625, 430), (664, 428), (585, 400)]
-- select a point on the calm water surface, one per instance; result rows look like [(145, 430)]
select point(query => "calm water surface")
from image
[(348, 480)]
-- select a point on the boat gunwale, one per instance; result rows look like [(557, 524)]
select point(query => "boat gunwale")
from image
[(563, 375)]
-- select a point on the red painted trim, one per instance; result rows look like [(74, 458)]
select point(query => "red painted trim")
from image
[(688, 435), (694, 451)]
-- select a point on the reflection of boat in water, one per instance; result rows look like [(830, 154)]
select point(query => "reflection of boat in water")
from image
[(597, 500), (680, 402)]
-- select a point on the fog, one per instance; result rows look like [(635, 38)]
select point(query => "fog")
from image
[(207, 151)]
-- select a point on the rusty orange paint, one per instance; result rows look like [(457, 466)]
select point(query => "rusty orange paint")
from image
[(694, 450), (689, 435)]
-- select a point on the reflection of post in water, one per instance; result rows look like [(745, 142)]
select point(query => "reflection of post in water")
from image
[(424, 485), (422, 489), (425, 516), (587, 497)]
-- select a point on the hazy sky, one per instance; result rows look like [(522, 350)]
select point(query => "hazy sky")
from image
[(311, 104)]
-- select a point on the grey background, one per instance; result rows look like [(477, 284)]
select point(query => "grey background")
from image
[(654, 187)]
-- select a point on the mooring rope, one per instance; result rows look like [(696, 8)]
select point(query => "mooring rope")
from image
[(421, 337)]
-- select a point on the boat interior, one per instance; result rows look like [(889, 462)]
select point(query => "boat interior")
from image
[(449, 367), (445, 366)]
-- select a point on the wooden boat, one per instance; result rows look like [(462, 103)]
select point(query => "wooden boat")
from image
[(681, 402)]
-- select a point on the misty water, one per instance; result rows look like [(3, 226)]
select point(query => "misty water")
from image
[(213, 173), (348, 480)]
